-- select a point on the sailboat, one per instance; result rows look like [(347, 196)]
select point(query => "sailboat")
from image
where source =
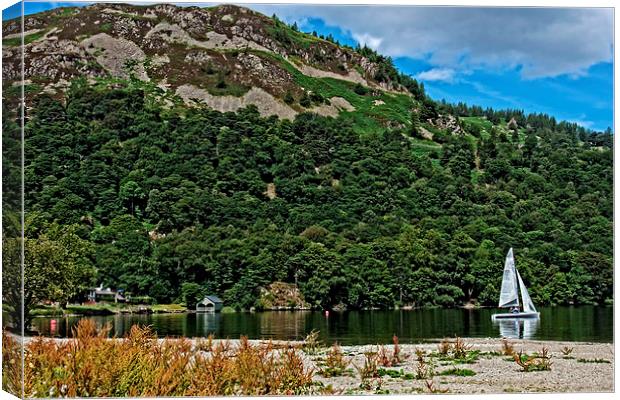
[(509, 296)]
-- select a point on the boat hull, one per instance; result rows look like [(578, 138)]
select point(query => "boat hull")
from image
[(518, 315)]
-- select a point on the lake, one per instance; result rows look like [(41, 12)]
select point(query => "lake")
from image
[(585, 323)]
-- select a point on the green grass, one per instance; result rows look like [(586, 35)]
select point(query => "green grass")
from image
[(458, 372), (396, 374), (480, 122), (161, 308), (231, 89), (425, 143), (593, 361), (47, 311), (15, 91), (114, 308), (17, 41), (366, 117)]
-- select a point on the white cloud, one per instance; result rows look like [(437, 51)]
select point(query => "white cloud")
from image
[(582, 121), (437, 74), (543, 42), (368, 40)]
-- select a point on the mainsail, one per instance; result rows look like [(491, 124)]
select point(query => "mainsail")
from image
[(509, 295), (528, 306)]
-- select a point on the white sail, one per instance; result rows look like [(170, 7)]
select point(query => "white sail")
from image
[(528, 306), (509, 295)]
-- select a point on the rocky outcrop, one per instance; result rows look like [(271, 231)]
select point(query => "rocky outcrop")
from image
[(118, 56), (449, 123), (266, 104), (282, 296)]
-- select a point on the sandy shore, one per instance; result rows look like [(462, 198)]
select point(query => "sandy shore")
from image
[(494, 371)]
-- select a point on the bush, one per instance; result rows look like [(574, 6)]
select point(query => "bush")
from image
[(191, 293), (221, 84), (305, 101), (360, 89), (317, 98), (288, 98), (335, 363)]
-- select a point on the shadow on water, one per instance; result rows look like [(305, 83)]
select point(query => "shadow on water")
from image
[(360, 327)]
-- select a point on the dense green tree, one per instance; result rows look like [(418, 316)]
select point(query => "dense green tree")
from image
[(57, 267), (175, 202)]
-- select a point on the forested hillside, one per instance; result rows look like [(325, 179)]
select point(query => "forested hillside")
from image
[(413, 202), (234, 201)]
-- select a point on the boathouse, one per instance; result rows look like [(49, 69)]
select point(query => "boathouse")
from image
[(210, 304)]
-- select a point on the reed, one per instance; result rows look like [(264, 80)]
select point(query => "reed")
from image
[(141, 365)]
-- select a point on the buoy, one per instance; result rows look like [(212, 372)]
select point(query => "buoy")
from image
[(53, 326), (327, 313)]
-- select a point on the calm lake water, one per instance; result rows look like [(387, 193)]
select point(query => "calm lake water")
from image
[(592, 324)]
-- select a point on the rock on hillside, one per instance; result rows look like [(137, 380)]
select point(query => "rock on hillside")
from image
[(282, 296), (225, 56)]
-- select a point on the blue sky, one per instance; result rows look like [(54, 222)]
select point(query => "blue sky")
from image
[(553, 60)]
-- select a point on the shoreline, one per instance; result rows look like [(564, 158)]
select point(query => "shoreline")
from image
[(475, 341), (588, 367), (110, 309)]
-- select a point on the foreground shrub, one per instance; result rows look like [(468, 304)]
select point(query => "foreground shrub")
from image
[(11, 365), (312, 343), (335, 363), (91, 365), (457, 351), (535, 362), (369, 372), (507, 348), (424, 369), (567, 350)]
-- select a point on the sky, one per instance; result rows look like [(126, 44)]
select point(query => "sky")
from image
[(557, 61)]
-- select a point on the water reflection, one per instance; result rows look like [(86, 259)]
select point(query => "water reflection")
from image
[(207, 323), (585, 323), (517, 328)]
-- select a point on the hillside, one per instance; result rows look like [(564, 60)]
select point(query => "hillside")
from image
[(227, 57), (335, 172)]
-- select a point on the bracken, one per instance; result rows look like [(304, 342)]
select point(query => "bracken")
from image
[(92, 365)]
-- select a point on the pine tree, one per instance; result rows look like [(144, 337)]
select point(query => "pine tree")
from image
[(415, 124)]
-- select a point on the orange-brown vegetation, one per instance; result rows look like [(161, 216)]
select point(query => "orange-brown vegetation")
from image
[(92, 365)]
